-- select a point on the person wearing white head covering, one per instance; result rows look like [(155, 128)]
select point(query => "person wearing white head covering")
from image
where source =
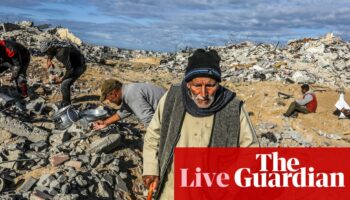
[(343, 108)]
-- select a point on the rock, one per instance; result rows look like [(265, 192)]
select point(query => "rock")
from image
[(106, 158), (65, 188), (38, 146), (106, 144), (84, 158), (59, 137), (58, 159), (16, 127), (38, 195), (2, 185), (65, 34), (94, 161), (120, 184), (55, 184), (26, 23), (103, 190), (45, 180), (4, 135), (81, 181), (36, 106), (302, 77), (109, 179), (27, 185), (62, 178), (66, 197), (73, 163), (6, 100), (270, 136), (53, 191), (71, 173)]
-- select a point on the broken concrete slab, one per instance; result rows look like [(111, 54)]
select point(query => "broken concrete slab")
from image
[(17, 127), (104, 190), (105, 144), (27, 185), (6, 100), (38, 195), (81, 181), (73, 163), (120, 184), (38, 146), (45, 180), (58, 159)]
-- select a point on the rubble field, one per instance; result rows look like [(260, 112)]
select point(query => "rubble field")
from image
[(39, 162)]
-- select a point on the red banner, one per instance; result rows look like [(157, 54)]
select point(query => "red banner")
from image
[(262, 173)]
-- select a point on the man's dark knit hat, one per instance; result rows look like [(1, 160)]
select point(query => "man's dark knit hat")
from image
[(203, 64)]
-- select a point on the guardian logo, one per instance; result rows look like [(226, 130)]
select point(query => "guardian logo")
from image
[(226, 172)]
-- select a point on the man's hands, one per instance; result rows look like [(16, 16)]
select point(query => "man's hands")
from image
[(99, 124), (149, 179)]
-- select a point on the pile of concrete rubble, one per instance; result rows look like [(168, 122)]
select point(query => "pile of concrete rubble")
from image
[(37, 162), (30, 35), (322, 60)]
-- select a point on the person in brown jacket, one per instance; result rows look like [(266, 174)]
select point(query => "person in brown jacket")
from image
[(185, 118)]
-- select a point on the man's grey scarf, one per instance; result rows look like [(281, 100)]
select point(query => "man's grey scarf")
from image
[(222, 97)]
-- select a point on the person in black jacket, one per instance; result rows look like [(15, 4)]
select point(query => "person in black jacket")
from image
[(73, 61), (15, 57)]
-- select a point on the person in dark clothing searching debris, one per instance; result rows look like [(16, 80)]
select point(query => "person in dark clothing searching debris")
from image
[(15, 57), (73, 61), (306, 105)]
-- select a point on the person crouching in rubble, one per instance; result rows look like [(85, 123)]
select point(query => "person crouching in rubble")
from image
[(138, 98), (198, 113), (15, 57), (73, 61), (306, 105)]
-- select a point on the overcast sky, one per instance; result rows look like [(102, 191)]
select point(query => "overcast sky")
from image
[(168, 25)]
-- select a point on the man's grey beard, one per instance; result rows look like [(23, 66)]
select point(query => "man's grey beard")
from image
[(198, 97)]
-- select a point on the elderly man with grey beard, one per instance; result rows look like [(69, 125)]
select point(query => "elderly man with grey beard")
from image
[(198, 113)]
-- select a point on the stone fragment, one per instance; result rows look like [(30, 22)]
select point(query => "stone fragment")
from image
[(109, 179), (27, 185), (55, 184), (65, 188), (105, 144), (73, 163), (94, 161), (103, 190), (2, 185), (106, 158), (81, 181), (58, 159), (61, 178), (120, 184), (38, 195), (45, 180), (38, 146)]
